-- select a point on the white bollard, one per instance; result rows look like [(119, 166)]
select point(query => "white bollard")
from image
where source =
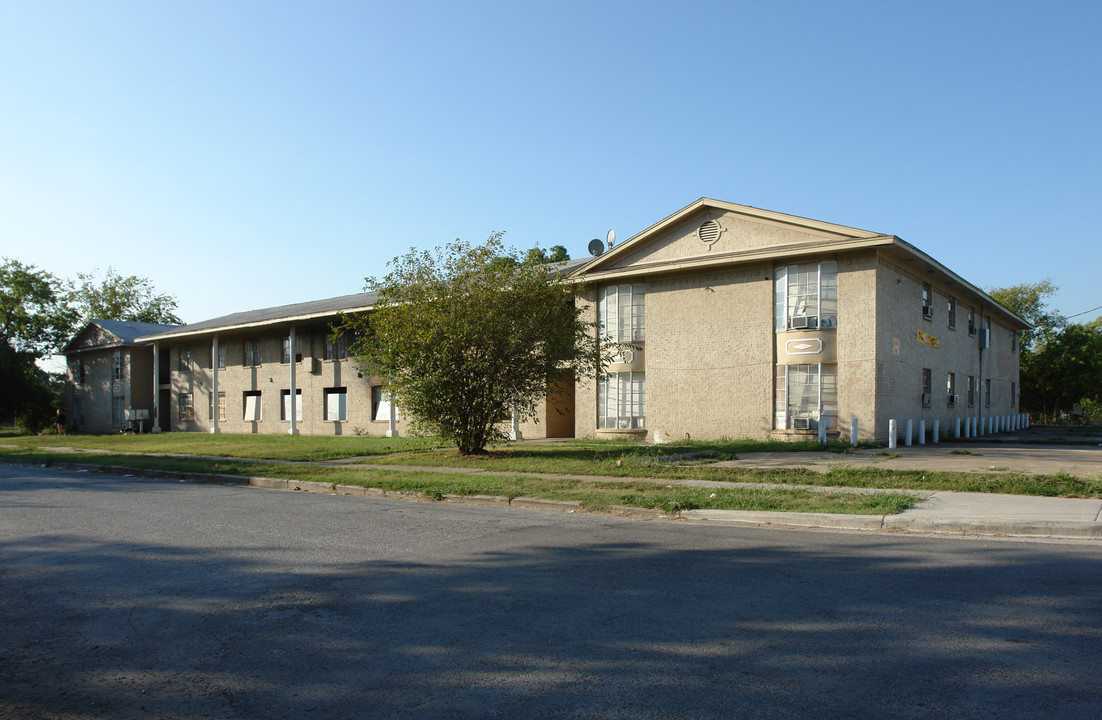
[(822, 433), (934, 436), (956, 429), (892, 431), (921, 432), (853, 432), (907, 437)]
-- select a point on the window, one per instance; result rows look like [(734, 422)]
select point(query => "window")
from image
[(285, 405), (806, 395), (805, 296), (1013, 341), (1013, 395), (117, 413), (927, 301), (187, 408), (78, 372), (927, 386), (186, 361), (221, 356), (336, 349), (987, 393), (951, 388), (380, 404), (622, 311), (251, 401), (951, 309), (621, 401), (286, 357), (336, 404), (971, 391), (221, 406), (252, 353), (971, 320), (116, 365)]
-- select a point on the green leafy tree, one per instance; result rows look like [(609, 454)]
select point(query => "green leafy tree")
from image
[(469, 332), (35, 321), (116, 297), (1029, 301), (557, 253), (1066, 370)]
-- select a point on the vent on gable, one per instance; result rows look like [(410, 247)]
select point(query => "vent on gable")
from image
[(709, 232)]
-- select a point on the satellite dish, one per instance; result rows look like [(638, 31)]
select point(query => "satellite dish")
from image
[(596, 247), (610, 238)]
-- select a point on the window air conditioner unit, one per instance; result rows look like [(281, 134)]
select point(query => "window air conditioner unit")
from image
[(309, 364), (925, 398), (971, 329), (803, 322), (952, 400), (801, 423), (928, 312)]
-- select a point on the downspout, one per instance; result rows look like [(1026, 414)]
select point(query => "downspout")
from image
[(156, 387), (979, 390)]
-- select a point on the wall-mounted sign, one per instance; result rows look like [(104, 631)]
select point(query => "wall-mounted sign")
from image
[(927, 339), (116, 388)]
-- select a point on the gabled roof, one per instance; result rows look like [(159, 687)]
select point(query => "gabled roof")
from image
[(280, 315), (115, 333), (833, 238)]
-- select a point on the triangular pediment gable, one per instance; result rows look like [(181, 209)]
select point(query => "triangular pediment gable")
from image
[(713, 231), (91, 337)]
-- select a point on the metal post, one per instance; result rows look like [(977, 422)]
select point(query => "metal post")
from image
[(294, 395), (892, 431), (853, 432), (907, 436), (156, 387), (934, 436)]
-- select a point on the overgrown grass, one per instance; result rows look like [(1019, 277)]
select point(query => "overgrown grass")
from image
[(592, 495)]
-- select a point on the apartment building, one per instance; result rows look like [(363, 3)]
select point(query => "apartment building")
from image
[(110, 376), (750, 323)]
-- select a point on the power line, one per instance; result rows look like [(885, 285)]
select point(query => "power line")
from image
[(1085, 312)]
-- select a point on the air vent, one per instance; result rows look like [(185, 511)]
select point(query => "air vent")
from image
[(801, 423), (709, 232)]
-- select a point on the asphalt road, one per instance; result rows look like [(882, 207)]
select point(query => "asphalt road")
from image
[(128, 598)]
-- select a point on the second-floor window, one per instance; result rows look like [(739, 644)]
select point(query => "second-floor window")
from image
[(185, 361), (623, 312), (252, 352), (116, 365), (336, 349), (286, 357), (806, 296)]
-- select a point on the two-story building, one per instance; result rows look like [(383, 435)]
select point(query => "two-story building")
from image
[(751, 323)]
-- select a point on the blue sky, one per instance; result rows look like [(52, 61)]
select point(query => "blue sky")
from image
[(249, 154)]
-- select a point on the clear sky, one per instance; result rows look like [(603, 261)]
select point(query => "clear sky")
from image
[(250, 154)]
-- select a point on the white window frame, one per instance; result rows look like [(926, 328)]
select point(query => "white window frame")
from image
[(622, 312), (826, 410), (788, 306), (622, 401)]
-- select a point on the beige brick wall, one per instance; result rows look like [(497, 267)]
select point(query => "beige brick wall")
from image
[(98, 391), (856, 338), (904, 356)]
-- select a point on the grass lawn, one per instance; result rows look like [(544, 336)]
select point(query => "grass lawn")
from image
[(576, 457), (593, 495)]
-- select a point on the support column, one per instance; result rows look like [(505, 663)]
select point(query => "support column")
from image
[(294, 392), (214, 385), (514, 431), (156, 387)]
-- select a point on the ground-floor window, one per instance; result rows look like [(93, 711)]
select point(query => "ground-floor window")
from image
[(806, 394), (251, 401), (380, 404), (187, 407), (622, 401), (78, 412), (336, 403), (221, 406), (285, 405)]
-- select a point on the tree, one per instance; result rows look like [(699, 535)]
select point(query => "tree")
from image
[(1066, 370), (1029, 301), (557, 253), (467, 334), (122, 298), (35, 321)]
